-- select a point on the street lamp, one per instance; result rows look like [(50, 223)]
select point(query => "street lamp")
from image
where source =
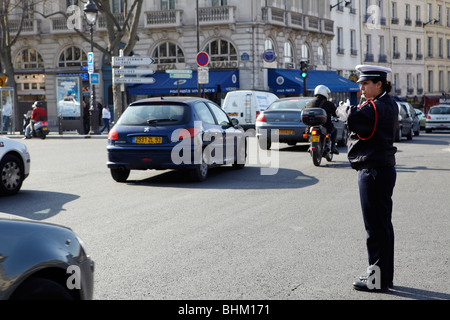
[(91, 13)]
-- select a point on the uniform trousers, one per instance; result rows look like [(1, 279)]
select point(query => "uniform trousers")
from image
[(376, 187)]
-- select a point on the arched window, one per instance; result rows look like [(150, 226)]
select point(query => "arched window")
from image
[(288, 53), (168, 52), (221, 50), (268, 45), (72, 57), (28, 59), (321, 56), (305, 52)]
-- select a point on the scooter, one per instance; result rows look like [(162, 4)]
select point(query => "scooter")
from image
[(317, 135), (40, 127)]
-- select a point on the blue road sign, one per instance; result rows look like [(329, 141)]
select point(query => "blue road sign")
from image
[(95, 78)]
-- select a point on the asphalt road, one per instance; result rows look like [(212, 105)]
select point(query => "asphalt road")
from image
[(241, 235)]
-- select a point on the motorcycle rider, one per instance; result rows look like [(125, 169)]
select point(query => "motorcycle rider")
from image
[(38, 114), (321, 95)]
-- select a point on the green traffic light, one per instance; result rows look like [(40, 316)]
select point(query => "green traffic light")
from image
[(304, 74)]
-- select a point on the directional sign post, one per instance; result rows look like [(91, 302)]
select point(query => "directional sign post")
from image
[(203, 75), (132, 61), (134, 80), (179, 74)]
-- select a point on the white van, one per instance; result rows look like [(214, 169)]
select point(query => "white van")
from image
[(246, 105)]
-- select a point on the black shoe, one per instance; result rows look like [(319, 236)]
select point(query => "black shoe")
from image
[(362, 286), (334, 150)]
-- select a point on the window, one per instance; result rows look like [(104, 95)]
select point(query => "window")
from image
[(268, 45), (441, 47), (72, 57), (118, 6), (218, 3), (353, 42), (429, 11), (448, 49), (340, 41), (439, 14), (167, 4), (221, 50), (430, 81), (204, 113), (395, 48), (418, 14), (28, 59), (321, 56), (288, 53), (168, 52), (305, 52), (419, 82), (221, 116), (408, 49), (430, 47), (441, 81)]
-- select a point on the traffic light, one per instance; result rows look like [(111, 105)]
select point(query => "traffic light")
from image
[(304, 69)]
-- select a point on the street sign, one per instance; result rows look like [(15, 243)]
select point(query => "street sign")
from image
[(184, 71), (94, 78), (132, 61), (134, 80), (203, 75), (202, 59), (90, 62), (181, 76), (122, 72)]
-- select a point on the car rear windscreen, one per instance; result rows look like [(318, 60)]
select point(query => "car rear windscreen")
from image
[(157, 114)]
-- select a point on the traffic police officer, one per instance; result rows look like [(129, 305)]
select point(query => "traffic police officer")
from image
[(371, 152)]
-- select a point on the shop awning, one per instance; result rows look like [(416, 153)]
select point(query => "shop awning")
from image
[(228, 80), (287, 81)]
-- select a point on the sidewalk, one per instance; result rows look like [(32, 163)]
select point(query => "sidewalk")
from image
[(54, 134)]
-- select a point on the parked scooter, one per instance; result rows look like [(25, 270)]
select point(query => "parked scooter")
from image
[(40, 129), (320, 147)]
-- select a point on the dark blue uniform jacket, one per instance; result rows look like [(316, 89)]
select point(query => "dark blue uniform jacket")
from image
[(372, 132)]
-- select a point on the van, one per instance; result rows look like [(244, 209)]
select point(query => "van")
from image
[(246, 105)]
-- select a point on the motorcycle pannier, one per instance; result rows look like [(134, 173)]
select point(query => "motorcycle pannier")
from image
[(314, 116)]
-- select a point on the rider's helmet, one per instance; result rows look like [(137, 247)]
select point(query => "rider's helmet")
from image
[(322, 90), (38, 104)]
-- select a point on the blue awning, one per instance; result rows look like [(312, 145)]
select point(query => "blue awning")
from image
[(287, 81), (228, 80)]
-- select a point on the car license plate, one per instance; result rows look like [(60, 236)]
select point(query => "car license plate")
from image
[(148, 140), (44, 128), (234, 114), (314, 139), (282, 132)]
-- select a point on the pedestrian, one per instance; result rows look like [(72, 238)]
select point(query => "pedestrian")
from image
[(371, 152), (106, 116), (86, 117), (6, 115)]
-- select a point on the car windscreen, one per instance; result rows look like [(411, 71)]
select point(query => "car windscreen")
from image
[(288, 104), (157, 114), (440, 110)]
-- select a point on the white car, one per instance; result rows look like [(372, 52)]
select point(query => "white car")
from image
[(438, 118), (14, 165)]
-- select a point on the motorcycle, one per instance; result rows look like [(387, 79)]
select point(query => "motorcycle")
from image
[(317, 135), (40, 127)]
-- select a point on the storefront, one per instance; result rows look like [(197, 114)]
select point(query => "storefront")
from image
[(289, 82), (220, 81)]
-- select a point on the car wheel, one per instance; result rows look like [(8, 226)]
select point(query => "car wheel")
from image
[(264, 144), (120, 174), (11, 175), (410, 134), (41, 289), (200, 172)]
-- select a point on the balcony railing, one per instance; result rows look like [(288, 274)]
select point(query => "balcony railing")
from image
[(409, 56), (215, 15), (275, 16), (396, 55), (101, 22), (165, 18), (60, 25), (369, 57), (382, 58), (29, 27)]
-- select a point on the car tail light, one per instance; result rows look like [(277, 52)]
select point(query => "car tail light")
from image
[(188, 133), (258, 113), (113, 135), (261, 118), (314, 132), (44, 123)]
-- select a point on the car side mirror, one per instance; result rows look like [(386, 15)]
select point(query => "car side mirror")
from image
[(234, 122)]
